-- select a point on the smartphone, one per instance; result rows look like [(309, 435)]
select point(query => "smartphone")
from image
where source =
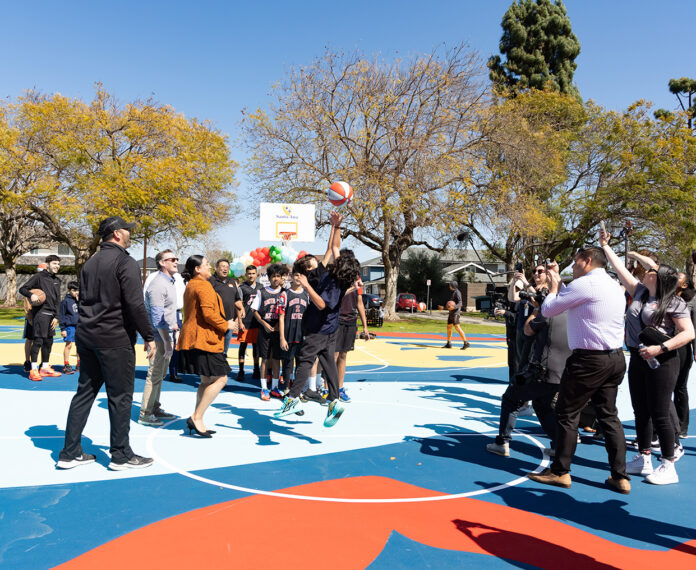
[(519, 266), (602, 226)]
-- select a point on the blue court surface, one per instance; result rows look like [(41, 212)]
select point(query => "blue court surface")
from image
[(402, 481)]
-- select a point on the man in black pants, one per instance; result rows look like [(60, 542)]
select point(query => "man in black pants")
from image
[(325, 287), (112, 309), (44, 317), (594, 371)]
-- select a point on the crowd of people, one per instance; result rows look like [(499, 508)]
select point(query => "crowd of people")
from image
[(565, 345), (301, 326), (566, 358)]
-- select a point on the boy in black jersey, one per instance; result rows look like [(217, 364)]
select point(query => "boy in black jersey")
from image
[(248, 332), (325, 286), (292, 311), (267, 307)]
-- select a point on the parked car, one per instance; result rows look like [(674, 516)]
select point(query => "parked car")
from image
[(371, 301), (406, 302)]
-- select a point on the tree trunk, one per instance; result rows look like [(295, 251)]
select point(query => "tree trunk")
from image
[(11, 293), (392, 263)]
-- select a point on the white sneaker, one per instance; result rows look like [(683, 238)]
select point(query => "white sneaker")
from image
[(678, 452), (641, 464), (526, 410), (665, 474), (499, 449)]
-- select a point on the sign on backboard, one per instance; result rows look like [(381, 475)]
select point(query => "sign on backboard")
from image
[(277, 219)]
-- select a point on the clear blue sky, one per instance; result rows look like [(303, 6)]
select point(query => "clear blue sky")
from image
[(211, 59)]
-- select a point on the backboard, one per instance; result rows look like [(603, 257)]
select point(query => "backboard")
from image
[(278, 219)]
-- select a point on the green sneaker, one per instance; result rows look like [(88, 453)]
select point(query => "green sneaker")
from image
[(290, 406), (333, 414)]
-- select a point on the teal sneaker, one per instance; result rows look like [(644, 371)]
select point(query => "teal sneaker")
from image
[(333, 414), (290, 406)]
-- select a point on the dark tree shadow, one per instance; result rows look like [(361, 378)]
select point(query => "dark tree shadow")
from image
[(51, 438), (527, 549), (610, 516), (263, 426)]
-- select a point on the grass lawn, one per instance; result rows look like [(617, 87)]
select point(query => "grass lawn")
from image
[(408, 323), (8, 316), (425, 325)]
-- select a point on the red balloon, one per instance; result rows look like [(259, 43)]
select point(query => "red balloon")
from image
[(266, 250)]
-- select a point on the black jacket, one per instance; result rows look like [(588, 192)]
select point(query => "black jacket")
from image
[(49, 284), (112, 306)]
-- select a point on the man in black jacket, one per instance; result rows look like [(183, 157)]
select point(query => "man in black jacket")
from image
[(44, 316), (112, 312)]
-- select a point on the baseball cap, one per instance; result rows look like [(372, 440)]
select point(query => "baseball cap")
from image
[(110, 225)]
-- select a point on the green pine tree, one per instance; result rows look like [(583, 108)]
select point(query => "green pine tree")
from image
[(539, 48)]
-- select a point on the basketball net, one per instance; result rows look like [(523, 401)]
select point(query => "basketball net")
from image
[(287, 237)]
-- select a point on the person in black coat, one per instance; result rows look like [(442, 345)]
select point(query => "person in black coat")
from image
[(43, 316), (112, 312)]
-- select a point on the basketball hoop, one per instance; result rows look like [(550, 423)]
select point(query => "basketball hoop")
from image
[(287, 236)]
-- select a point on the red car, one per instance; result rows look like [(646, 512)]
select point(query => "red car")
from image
[(406, 302)]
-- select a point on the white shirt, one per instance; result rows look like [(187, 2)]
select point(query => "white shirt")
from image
[(595, 305)]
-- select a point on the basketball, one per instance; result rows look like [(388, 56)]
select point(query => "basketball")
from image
[(450, 305), (40, 294), (422, 307), (340, 193)]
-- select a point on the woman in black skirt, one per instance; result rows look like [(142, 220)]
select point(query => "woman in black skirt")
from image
[(202, 339)]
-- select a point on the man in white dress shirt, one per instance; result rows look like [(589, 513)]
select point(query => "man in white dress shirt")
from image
[(596, 367)]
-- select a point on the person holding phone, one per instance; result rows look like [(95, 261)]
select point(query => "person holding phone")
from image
[(595, 369), (655, 304)]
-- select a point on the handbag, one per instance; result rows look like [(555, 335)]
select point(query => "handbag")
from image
[(650, 335)]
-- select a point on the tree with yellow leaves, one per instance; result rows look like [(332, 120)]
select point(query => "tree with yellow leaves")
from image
[(142, 161)]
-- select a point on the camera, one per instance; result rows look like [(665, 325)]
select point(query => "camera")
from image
[(539, 296), (533, 372)]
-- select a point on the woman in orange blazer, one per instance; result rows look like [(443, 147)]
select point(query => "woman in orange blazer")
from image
[(202, 339)]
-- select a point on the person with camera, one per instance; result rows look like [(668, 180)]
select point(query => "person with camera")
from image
[(538, 380), (515, 318), (658, 323), (595, 369)]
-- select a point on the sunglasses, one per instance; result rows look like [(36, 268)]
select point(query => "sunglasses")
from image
[(540, 271), (652, 270), (171, 259)]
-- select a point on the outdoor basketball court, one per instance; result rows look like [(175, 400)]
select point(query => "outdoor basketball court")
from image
[(402, 481)]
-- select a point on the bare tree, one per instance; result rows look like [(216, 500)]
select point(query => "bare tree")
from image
[(402, 133)]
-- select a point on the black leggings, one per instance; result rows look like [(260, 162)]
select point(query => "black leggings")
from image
[(44, 346), (651, 396), (242, 353)]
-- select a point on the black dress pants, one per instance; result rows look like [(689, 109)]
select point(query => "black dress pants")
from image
[(681, 396), (594, 376), (651, 396), (114, 367), (322, 346)]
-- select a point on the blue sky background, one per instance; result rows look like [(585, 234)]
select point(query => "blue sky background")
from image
[(212, 59)]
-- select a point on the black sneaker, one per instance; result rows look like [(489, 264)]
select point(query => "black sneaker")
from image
[(174, 378), (465, 346), (27, 366), (257, 374), (135, 462), (240, 375), (67, 369), (448, 345), (313, 396), (83, 459)]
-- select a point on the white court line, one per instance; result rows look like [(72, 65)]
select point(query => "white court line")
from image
[(542, 465)]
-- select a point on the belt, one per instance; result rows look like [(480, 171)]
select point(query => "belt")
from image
[(586, 351)]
